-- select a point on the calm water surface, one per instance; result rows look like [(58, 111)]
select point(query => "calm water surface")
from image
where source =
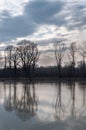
[(42, 106)]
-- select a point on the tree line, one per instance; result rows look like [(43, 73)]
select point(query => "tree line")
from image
[(21, 61), (22, 57)]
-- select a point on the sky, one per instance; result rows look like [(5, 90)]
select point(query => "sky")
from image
[(42, 21)]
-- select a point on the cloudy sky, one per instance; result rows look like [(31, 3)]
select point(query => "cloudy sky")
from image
[(42, 21)]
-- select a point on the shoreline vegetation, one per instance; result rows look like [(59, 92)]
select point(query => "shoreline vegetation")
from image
[(43, 73), (21, 61)]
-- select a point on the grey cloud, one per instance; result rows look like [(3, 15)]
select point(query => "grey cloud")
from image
[(37, 13), (48, 41), (13, 27), (78, 16), (43, 12)]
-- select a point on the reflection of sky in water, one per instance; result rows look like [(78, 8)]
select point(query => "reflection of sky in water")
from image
[(42, 106)]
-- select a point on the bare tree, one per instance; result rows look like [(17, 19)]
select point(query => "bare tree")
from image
[(15, 58), (1, 60), (34, 56), (59, 53), (5, 62), (8, 49), (82, 52), (72, 53), (28, 55)]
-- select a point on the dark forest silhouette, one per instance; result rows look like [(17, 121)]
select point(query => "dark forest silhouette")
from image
[(21, 61)]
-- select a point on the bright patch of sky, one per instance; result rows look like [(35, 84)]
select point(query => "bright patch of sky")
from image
[(14, 6)]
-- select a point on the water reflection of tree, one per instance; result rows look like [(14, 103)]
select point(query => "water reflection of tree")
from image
[(73, 99), (75, 109), (84, 94), (15, 99), (71, 105), (28, 102), (25, 105), (8, 102), (59, 107), (82, 86)]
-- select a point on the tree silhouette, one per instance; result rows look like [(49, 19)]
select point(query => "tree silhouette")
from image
[(59, 53)]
